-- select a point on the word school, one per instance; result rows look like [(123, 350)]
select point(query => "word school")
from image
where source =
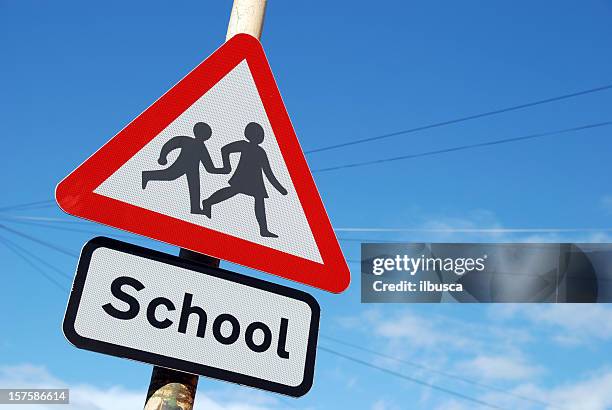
[(162, 320)]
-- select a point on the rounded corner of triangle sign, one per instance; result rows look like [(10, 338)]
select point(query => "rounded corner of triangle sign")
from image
[(214, 166)]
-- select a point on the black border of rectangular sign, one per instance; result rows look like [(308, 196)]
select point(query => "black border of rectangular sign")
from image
[(183, 365)]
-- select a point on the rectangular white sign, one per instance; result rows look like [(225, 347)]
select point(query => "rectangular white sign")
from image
[(145, 305)]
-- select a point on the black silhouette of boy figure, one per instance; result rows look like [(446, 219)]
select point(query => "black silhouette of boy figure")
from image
[(193, 151), (248, 176)]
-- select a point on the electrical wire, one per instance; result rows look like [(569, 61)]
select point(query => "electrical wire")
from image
[(26, 255), (364, 240), (40, 241), (468, 230), (67, 229), (29, 206), (435, 371), (48, 222), (460, 119), (11, 246), (409, 378), (463, 147), (40, 260), (46, 219)]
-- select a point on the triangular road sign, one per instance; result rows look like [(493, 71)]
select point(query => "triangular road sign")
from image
[(215, 166)]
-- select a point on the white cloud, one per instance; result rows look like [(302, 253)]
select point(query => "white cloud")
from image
[(383, 404), (437, 332), (434, 343), (88, 397), (404, 330), (27, 376), (569, 324), (490, 354), (482, 225), (499, 367), (473, 220), (593, 392), (419, 331), (453, 405), (572, 237), (606, 203), (442, 228)]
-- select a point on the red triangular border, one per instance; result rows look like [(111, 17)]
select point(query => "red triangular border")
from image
[(75, 193)]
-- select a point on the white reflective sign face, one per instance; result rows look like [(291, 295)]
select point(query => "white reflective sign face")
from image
[(141, 304), (226, 108)]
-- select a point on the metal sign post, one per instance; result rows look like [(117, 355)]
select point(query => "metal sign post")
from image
[(180, 388), (171, 385)]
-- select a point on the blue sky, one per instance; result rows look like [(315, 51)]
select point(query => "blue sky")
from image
[(74, 73)]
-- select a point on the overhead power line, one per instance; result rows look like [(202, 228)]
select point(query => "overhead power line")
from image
[(50, 223), (465, 230), (61, 227), (39, 241), (28, 257), (13, 247), (409, 378), (39, 259), (465, 147), (435, 371), (46, 219), (460, 119), (341, 239), (29, 205)]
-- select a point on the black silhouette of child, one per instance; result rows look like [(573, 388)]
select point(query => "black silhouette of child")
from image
[(193, 151), (248, 176)]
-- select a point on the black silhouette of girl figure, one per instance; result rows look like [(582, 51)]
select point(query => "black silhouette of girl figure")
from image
[(248, 176)]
